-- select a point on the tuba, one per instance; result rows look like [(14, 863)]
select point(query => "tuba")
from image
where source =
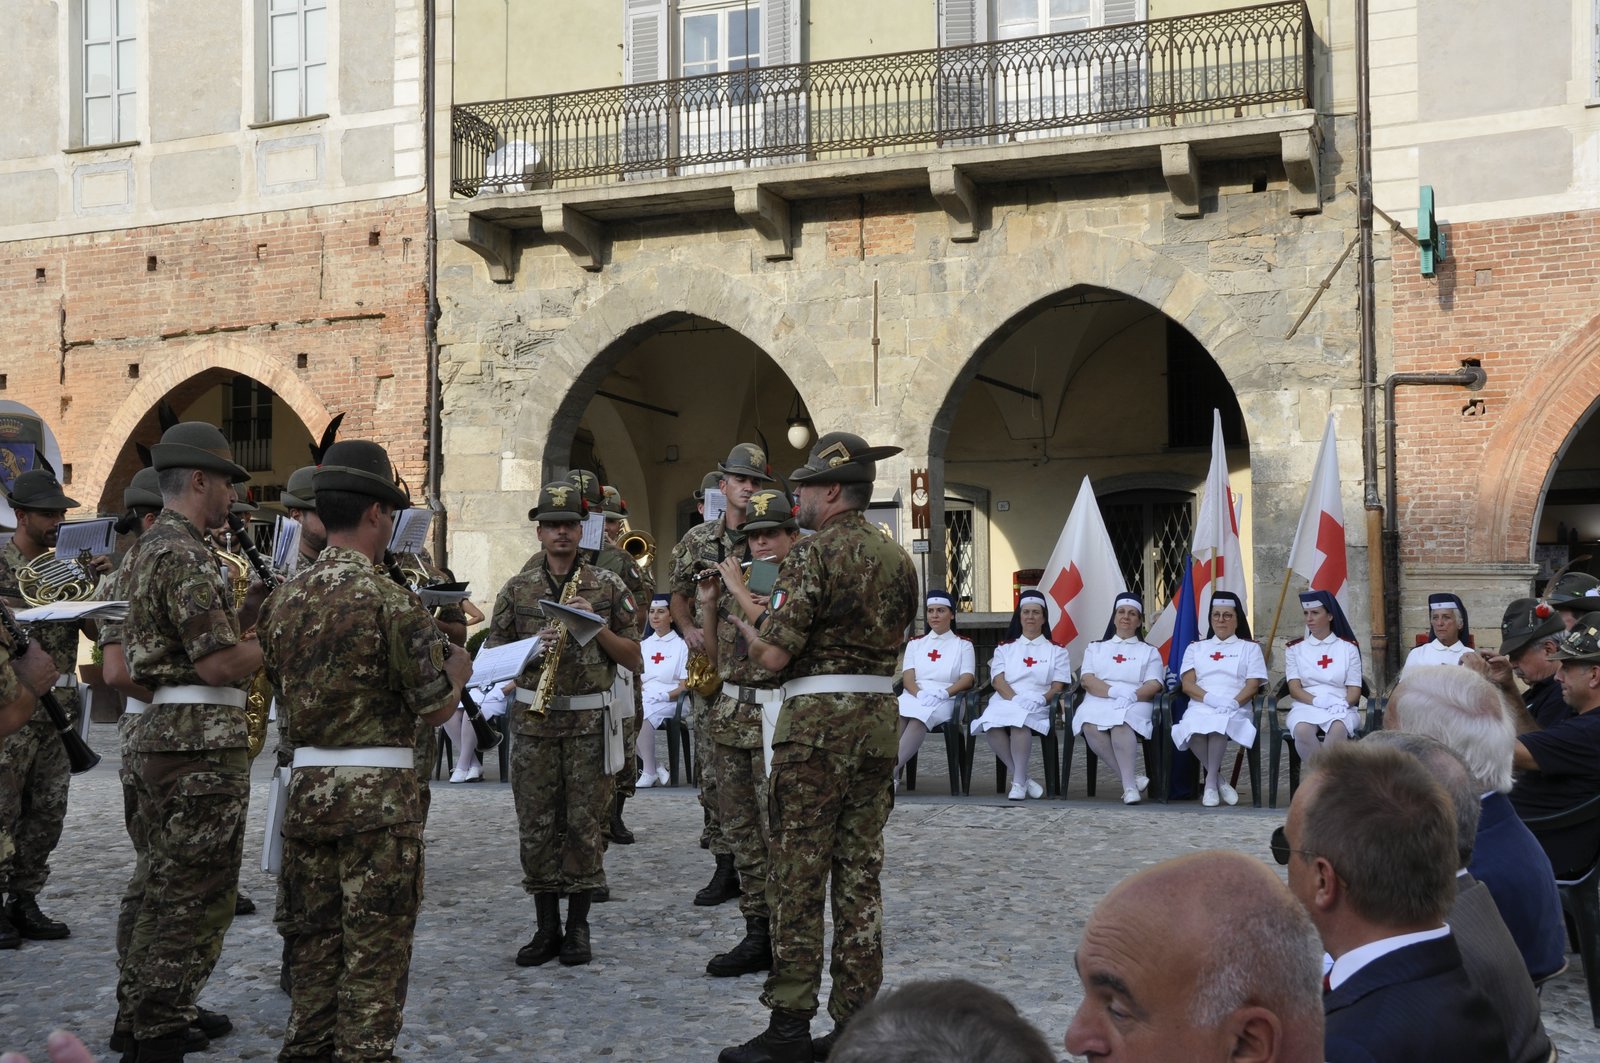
[(49, 579), (639, 545), (703, 678)]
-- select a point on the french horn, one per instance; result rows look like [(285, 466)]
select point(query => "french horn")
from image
[(48, 579)]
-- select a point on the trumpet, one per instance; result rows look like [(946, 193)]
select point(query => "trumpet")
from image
[(48, 579), (639, 545)]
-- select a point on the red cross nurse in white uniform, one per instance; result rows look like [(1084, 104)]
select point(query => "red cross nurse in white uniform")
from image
[(935, 670), (1221, 673), (1027, 673), (1323, 670), (1122, 674)]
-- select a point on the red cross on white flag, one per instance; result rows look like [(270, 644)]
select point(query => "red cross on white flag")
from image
[(1318, 552), (1082, 577)]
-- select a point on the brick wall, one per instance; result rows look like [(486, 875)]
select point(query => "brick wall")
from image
[(325, 305), (1521, 295)]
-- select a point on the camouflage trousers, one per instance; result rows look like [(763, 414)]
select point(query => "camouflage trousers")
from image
[(563, 798), (139, 835), (355, 912), (711, 836), (827, 812), (742, 797), (195, 804), (33, 803)]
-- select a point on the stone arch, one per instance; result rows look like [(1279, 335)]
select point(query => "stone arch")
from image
[(592, 346), (161, 376), (1527, 444)]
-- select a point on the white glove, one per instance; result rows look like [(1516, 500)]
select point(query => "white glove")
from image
[(932, 696), (1123, 691), (1222, 703), (1330, 702)]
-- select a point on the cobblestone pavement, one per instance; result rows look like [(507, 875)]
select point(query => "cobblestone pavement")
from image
[(976, 887)]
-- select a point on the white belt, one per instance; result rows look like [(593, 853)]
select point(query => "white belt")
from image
[(838, 684), (754, 695), (66, 681), (198, 695), (134, 707), (355, 757), (570, 704)]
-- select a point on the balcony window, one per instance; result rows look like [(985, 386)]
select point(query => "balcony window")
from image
[(109, 67)]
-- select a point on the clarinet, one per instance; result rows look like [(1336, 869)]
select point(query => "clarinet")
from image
[(263, 570), (80, 758), (482, 729)]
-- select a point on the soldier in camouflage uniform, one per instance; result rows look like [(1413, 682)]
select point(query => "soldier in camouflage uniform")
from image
[(701, 550), (836, 621), (558, 777), (23, 681), (734, 723), (183, 642), (358, 662), (33, 764)]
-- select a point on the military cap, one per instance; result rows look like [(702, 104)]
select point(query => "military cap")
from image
[(361, 467), (613, 505), (708, 482), (196, 445), (589, 484), (143, 490), (560, 501), (241, 503), (1527, 620), (1575, 591), (767, 509), (301, 492), (747, 459), (39, 489), (1582, 643), (841, 458)]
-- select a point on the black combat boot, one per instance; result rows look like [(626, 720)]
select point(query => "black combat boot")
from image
[(242, 904), (619, 830), (600, 894), (787, 1039), (575, 945), (194, 1039), (169, 1049), (9, 938), (31, 923), (752, 954), (213, 1024), (724, 884), (822, 1047), (546, 942)]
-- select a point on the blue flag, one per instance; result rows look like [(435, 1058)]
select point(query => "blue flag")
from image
[(1184, 775)]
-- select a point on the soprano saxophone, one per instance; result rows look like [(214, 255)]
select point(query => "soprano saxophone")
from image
[(552, 656)]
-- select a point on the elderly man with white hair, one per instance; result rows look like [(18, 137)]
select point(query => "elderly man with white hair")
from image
[(1464, 711)]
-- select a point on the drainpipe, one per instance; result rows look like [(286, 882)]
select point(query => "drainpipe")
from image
[(1377, 594), (1471, 377), (431, 316)]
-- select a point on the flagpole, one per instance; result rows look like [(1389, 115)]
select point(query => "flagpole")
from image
[(1266, 651)]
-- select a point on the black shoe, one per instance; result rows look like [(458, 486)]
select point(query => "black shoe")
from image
[(169, 1049), (752, 954), (545, 945), (194, 1039), (213, 1024), (30, 922), (822, 1046), (787, 1039), (724, 884), (575, 943), (619, 831), (600, 894), (243, 905), (9, 938)]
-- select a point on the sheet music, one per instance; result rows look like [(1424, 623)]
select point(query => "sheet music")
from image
[(443, 594), (498, 664), (580, 624), (715, 502), (286, 545), (411, 530), (113, 611), (594, 531), (98, 536)]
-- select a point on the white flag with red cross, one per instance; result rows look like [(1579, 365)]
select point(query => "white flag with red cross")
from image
[(1318, 553), (1082, 577)]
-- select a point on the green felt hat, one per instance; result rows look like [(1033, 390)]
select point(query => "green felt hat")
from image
[(197, 445), (841, 458), (362, 467)]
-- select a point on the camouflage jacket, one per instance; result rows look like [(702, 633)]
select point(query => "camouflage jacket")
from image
[(59, 640), (179, 610), (582, 669), (702, 547), (841, 605), (10, 685), (727, 721), (357, 660)]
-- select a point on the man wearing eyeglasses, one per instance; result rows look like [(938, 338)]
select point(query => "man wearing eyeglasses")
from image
[(1370, 844)]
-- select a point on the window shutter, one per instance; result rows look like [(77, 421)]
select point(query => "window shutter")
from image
[(783, 92), (1120, 11), (644, 41), (645, 125), (963, 22), (1121, 81), (963, 81), (780, 32)]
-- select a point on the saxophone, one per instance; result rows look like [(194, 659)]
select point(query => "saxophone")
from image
[(552, 656)]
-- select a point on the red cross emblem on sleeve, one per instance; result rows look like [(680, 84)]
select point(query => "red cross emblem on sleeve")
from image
[(933, 655), (656, 657), (1120, 659), (1217, 656), (1029, 661), (1326, 660)]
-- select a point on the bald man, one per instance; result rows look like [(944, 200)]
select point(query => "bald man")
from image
[(1206, 958)]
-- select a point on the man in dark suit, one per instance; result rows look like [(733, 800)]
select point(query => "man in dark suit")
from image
[(1371, 846), (1464, 712), (1492, 962)]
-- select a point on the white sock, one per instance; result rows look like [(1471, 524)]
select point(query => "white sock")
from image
[(911, 737), (647, 748)]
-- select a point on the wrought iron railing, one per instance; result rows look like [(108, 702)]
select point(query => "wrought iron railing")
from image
[(1192, 68)]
